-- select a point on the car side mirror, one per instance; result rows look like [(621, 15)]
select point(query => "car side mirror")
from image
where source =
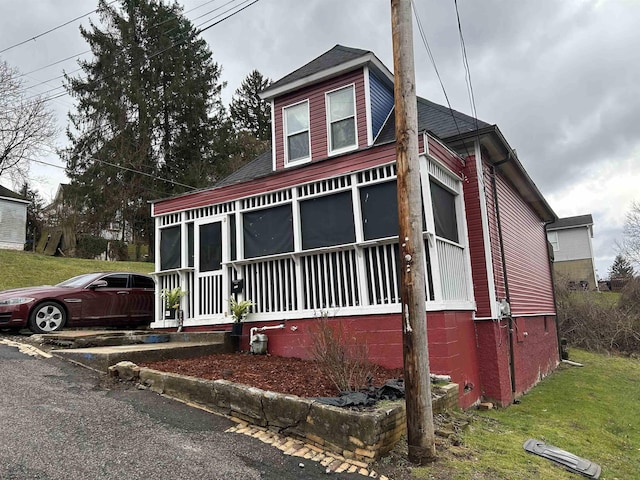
[(98, 284)]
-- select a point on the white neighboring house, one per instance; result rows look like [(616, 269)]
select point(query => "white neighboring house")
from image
[(571, 239), (13, 220)]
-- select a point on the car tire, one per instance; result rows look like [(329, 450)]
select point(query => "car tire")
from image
[(47, 317)]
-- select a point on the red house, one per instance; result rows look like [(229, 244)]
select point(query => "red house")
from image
[(310, 229)]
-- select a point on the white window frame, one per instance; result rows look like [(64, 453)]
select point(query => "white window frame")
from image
[(327, 99), (554, 243), (287, 134)]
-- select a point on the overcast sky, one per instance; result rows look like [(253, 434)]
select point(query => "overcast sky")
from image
[(561, 79)]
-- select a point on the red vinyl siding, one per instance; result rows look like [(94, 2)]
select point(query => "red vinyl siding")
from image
[(315, 94), (492, 219), (525, 246), (444, 155), (472, 199)]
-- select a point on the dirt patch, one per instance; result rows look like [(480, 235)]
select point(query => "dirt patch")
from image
[(291, 376)]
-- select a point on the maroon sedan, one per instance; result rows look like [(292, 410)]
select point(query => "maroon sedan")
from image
[(93, 299)]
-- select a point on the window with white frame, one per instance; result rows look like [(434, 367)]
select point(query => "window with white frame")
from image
[(170, 248), (296, 127), (553, 240), (341, 120)]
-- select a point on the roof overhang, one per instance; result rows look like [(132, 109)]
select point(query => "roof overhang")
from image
[(16, 200), (504, 158), (367, 59)]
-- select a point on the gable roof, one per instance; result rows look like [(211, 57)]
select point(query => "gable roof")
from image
[(256, 168), (568, 222), (338, 60), (6, 193)]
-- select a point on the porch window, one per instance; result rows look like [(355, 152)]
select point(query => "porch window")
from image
[(190, 247), (341, 119), (170, 239), (444, 212), (210, 247), (379, 205), (268, 231), (296, 126), (327, 221)]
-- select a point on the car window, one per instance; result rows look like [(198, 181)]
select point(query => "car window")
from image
[(118, 280), (140, 281), (78, 281)]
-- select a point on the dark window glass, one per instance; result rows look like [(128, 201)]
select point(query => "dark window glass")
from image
[(327, 221), (379, 205), (343, 133), (298, 146), (268, 231), (232, 237), (140, 281), (190, 247), (444, 212), (117, 280), (210, 247), (170, 248)]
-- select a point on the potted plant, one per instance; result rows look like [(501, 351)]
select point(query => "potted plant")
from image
[(239, 311), (172, 300)]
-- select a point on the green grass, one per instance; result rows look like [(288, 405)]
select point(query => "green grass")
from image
[(24, 269), (591, 411)]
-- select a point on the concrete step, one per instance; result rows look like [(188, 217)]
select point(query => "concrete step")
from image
[(100, 358)]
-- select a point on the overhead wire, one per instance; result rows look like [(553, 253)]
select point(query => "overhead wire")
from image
[(51, 29)]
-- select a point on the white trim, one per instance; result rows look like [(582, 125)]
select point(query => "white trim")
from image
[(274, 165), (327, 105), (298, 161), (529, 315), (488, 258), (16, 200), (367, 104)]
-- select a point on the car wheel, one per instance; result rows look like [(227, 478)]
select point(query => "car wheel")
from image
[(47, 317)]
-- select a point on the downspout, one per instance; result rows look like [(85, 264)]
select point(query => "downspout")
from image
[(512, 368)]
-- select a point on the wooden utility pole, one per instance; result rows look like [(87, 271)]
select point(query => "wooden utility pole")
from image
[(420, 431)]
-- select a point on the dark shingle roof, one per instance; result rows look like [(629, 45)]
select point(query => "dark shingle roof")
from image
[(5, 192), (578, 221), (334, 57), (437, 119), (259, 167)]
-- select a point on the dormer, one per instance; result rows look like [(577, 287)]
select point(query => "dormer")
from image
[(335, 104)]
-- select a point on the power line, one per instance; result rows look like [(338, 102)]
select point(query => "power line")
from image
[(465, 62), (435, 67), (52, 29)]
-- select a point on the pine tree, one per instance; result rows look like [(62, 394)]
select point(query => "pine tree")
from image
[(248, 111), (621, 268), (35, 216), (148, 110)]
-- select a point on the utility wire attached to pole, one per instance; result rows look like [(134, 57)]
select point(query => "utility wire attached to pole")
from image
[(420, 430)]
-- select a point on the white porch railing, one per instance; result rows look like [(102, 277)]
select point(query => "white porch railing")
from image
[(453, 274)]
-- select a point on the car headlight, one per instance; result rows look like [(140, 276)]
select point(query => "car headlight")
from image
[(16, 301)]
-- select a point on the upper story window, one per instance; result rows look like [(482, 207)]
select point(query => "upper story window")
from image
[(553, 240), (296, 127), (341, 120)]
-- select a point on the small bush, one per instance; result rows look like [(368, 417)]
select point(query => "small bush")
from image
[(589, 321), (344, 360)]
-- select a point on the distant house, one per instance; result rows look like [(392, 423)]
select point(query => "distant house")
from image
[(571, 240), (13, 220), (310, 229)]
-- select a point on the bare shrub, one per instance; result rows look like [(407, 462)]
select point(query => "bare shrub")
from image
[(342, 358), (588, 321)]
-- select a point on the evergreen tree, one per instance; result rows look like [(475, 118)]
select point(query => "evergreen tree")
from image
[(148, 110), (248, 111), (35, 216), (621, 268)]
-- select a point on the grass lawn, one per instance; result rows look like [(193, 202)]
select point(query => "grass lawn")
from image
[(591, 411), (25, 269)]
